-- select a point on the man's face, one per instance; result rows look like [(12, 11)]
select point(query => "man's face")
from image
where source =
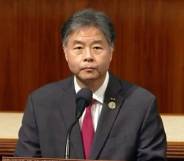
[(88, 54)]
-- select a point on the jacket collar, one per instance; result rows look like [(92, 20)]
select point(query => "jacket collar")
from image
[(114, 98)]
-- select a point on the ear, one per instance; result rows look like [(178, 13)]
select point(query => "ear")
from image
[(111, 52), (65, 52)]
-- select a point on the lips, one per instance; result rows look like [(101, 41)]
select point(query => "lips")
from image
[(88, 68)]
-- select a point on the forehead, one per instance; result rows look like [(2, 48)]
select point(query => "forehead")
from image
[(87, 34)]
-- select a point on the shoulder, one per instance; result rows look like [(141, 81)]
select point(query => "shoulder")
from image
[(136, 99), (131, 90), (53, 89), (140, 99)]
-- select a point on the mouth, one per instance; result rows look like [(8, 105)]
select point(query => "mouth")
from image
[(88, 69)]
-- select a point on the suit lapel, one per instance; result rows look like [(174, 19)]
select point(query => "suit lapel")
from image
[(114, 93), (68, 108)]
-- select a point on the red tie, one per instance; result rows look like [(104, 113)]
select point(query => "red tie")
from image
[(87, 132)]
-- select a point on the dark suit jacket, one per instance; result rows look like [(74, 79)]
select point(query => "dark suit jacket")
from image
[(133, 131)]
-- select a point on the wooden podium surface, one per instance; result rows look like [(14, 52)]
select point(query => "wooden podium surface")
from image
[(174, 127), (42, 159)]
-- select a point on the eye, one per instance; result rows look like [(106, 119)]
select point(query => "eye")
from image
[(97, 47), (77, 48)]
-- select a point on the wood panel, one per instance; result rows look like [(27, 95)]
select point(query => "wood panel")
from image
[(10, 124), (175, 151), (149, 47)]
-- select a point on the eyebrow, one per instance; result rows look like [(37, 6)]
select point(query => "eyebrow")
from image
[(98, 42), (77, 42), (94, 42)]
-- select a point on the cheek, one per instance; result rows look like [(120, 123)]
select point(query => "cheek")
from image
[(73, 63), (105, 62)]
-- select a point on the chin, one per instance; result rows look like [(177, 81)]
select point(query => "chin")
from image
[(88, 78)]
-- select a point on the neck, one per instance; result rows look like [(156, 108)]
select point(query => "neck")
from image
[(93, 85)]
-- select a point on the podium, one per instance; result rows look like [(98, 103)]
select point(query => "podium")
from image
[(173, 125), (42, 159)]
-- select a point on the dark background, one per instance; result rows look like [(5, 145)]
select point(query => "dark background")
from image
[(149, 49)]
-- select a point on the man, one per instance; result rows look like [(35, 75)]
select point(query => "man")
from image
[(125, 119)]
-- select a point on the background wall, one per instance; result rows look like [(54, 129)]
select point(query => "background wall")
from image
[(149, 47)]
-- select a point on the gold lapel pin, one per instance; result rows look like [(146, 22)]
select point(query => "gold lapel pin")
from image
[(112, 103)]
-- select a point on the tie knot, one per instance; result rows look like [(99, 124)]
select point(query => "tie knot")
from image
[(90, 105), (93, 101)]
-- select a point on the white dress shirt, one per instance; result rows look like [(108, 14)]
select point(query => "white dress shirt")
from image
[(98, 96)]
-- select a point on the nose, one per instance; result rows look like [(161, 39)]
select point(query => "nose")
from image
[(88, 55)]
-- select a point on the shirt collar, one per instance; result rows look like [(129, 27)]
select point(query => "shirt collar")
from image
[(99, 93)]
